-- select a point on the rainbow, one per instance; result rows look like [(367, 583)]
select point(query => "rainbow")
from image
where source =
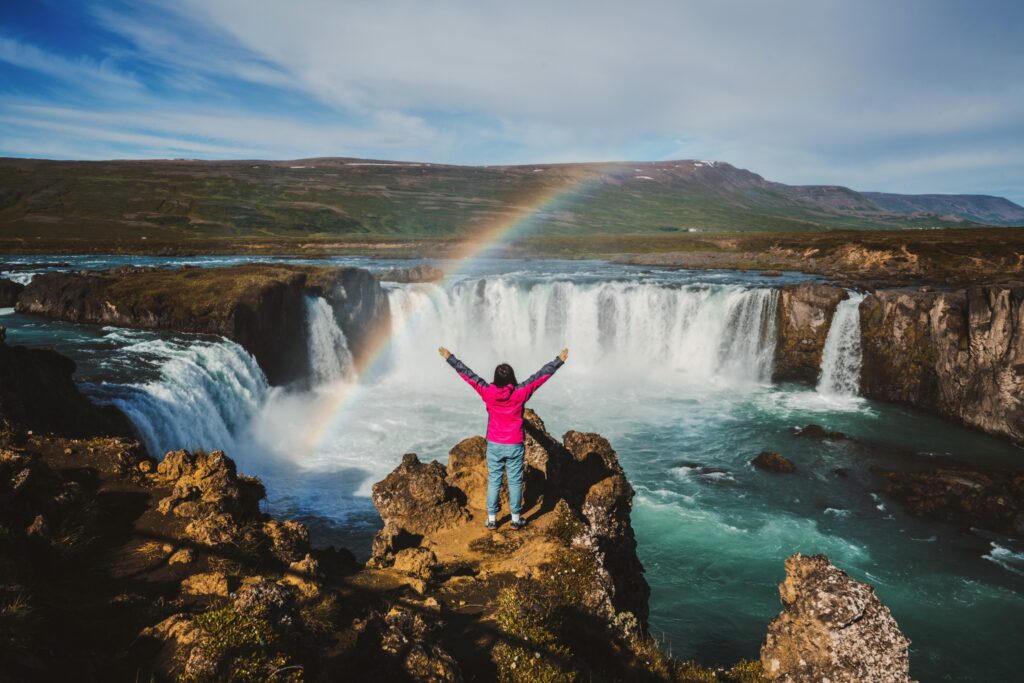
[(525, 216)]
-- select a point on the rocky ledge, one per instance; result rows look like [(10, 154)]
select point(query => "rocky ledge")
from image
[(260, 306)]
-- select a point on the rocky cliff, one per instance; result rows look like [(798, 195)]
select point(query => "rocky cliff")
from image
[(9, 292), (37, 393), (832, 628), (804, 316), (260, 306), (959, 354)]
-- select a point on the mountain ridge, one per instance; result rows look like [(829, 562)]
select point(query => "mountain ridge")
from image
[(341, 196)]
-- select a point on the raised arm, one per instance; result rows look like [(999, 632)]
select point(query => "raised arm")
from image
[(534, 382), (471, 378)]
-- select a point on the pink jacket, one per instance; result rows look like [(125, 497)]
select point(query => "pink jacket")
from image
[(505, 404)]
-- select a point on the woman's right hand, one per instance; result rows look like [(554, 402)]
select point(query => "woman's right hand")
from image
[(564, 354), (444, 352)]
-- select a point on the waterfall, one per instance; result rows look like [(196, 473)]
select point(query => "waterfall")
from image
[(722, 333), (840, 362), (329, 357), (205, 393)]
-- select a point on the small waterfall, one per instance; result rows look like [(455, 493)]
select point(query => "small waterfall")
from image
[(205, 393), (840, 362), (722, 333), (329, 357)]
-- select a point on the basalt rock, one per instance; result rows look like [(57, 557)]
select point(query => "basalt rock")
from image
[(38, 393), (9, 292), (260, 306), (957, 354), (832, 628), (417, 499), (804, 317), (771, 461), (991, 500), (220, 507), (421, 502)]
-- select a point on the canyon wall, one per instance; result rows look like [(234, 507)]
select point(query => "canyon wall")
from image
[(958, 354)]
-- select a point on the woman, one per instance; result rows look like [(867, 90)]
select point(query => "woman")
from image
[(504, 399)]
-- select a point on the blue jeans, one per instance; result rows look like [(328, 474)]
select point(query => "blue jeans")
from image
[(499, 457)]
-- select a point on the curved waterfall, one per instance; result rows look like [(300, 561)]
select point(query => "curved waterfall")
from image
[(841, 359), (717, 332), (206, 391), (330, 359)]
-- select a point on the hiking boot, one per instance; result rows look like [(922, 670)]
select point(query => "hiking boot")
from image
[(491, 524), (517, 525)]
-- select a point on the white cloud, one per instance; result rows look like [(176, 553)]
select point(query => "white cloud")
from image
[(28, 56), (868, 94)]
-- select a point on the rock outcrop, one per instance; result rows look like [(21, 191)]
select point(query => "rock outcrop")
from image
[(958, 354), (37, 393), (832, 628), (965, 497), (9, 292), (260, 306), (770, 461), (421, 273), (804, 316), (422, 503)]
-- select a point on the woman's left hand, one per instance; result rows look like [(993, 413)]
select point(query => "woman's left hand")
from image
[(444, 352)]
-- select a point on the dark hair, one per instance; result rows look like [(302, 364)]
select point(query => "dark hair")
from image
[(504, 375)]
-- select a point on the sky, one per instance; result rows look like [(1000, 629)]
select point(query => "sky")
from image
[(909, 96)]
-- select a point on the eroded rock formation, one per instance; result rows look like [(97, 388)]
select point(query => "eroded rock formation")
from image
[(260, 306), (832, 628), (958, 354), (423, 504), (804, 316), (37, 393), (9, 292)]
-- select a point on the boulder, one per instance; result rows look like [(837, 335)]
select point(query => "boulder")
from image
[(408, 638), (804, 317), (770, 461), (416, 499), (289, 539), (832, 628), (208, 583), (814, 431), (417, 562), (218, 504)]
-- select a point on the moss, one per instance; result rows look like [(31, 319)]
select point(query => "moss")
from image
[(531, 651), (566, 526), (242, 649), (746, 671), (573, 574), (692, 672)]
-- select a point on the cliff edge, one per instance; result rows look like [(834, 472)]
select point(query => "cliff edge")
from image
[(259, 305)]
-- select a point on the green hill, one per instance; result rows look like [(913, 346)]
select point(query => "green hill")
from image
[(171, 200)]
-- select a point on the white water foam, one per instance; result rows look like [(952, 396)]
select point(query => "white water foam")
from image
[(206, 393)]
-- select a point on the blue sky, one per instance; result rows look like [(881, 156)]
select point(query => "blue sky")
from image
[(909, 96)]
